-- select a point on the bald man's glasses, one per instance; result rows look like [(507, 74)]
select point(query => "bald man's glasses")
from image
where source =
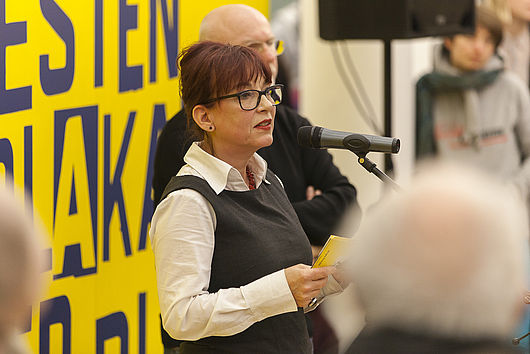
[(275, 44), (250, 99)]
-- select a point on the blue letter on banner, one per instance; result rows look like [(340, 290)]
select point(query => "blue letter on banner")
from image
[(171, 34), (159, 119), (56, 310), (16, 99), (130, 77), (98, 45), (141, 323), (112, 190), (113, 325), (6, 158), (28, 168), (54, 81), (89, 118)]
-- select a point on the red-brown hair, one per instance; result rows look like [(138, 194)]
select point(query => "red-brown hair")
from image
[(210, 69)]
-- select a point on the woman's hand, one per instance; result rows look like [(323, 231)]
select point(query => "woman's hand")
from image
[(305, 282)]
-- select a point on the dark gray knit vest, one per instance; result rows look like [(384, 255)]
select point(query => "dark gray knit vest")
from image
[(257, 233)]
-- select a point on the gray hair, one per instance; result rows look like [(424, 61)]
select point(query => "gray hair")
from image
[(445, 257)]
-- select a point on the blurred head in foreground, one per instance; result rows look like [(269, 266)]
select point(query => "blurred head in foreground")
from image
[(20, 268), (445, 258)]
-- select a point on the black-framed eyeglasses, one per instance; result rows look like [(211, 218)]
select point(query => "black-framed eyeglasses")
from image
[(250, 99)]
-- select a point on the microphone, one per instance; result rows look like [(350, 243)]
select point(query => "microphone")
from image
[(318, 138)]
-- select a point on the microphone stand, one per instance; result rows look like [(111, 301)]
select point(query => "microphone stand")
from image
[(516, 341), (372, 168), (526, 300)]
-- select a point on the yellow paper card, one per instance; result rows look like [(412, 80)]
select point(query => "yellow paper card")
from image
[(333, 252)]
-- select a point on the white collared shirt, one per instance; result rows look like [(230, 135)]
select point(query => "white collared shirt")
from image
[(182, 238)]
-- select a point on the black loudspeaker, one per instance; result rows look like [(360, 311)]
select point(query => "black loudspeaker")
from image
[(394, 19)]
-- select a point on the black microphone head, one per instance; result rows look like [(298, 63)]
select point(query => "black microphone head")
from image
[(309, 136), (304, 136), (396, 144)]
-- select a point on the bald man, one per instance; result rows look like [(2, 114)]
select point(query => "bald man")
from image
[(319, 193), (445, 272), (241, 25)]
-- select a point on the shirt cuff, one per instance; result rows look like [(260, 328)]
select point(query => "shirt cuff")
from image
[(332, 287), (269, 296)]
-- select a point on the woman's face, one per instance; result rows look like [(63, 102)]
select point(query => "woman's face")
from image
[(471, 52), (240, 131)]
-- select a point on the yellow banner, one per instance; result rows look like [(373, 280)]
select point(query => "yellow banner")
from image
[(85, 88)]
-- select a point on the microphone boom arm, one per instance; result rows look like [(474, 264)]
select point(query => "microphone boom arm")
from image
[(372, 168)]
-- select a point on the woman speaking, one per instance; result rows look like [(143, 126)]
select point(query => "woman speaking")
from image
[(232, 260)]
